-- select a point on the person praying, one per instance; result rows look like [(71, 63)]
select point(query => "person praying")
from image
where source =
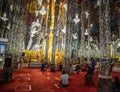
[(64, 79)]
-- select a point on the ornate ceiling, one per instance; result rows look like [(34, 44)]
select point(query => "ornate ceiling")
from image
[(23, 12), (32, 5)]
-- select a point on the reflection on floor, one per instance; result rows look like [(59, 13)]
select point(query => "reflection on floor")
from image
[(33, 80)]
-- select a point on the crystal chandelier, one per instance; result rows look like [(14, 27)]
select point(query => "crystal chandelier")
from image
[(64, 29), (74, 36), (87, 14), (37, 13), (40, 2), (4, 18), (76, 19), (91, 39), (8, 27), (65, 6), (42, 11), (86, 32)]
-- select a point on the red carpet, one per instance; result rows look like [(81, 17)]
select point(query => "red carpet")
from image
[(45, 82)]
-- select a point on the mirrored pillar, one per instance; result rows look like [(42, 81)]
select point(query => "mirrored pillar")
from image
[(82, 32), (48, 31), (67, 37), (56, 13), (104, 82)]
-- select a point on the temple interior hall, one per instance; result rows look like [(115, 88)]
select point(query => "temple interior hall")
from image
[(59, 45)]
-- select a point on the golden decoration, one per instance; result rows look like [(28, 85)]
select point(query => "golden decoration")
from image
[(33, 6)]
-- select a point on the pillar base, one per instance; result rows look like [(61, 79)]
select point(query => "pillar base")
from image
[(104, 85)]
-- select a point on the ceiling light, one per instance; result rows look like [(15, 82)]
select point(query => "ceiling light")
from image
[(86, 33), (76, 19), (57, 34), (8, 27), (36, 45), (32, 35), (54, 1), (64, 29), (11, 7), (37, 21), (65, 6), (98, 2), (91, 38), (36, 13), (40, 2), (4, 17), (42, 11), (87, 14), (74, 36), (119, 44), (91, 25), (34, 31), (46, 34), (37, 24)]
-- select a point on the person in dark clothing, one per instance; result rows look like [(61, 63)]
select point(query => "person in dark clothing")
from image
[(60, 67), (77, 68), (93, 63), (52, 67), (89, 77), (116, 85), (42, 67)]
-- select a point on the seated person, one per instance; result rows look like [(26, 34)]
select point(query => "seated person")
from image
[(52, 67), (64, 79), (42, 66), (77, 68), (93, 64), (116, 85), (89, 77), (60, 66)]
